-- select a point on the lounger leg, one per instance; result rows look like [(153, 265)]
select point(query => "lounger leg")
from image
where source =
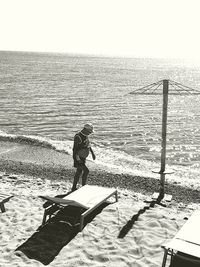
[(81, 223), (44, 217), (2, 207), (116, 197), (164, 258)]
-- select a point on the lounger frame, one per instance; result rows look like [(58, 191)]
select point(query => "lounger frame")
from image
[(186, 241), (55, 207)]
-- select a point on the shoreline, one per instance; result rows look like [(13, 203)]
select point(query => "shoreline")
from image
[(49, 164)]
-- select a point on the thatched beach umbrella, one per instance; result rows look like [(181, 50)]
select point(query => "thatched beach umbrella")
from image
[(168, 87)]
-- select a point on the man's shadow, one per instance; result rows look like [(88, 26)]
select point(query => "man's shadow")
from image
[(45, 244)]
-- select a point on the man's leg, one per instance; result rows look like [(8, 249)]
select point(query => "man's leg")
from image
[(85, 175), (76, 177)]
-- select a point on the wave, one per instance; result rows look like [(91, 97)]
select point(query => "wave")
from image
[(61, 146)]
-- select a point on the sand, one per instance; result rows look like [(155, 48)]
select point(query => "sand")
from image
[(124, 233)]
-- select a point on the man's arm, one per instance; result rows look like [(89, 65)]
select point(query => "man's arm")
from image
[(93, 155)]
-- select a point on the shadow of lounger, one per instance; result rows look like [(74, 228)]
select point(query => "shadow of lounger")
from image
[(45, 244)]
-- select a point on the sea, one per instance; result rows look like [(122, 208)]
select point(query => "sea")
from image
[(45, 98)]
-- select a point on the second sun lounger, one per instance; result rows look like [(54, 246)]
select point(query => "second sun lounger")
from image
[(186, 243), (88, 197), (3, 199)]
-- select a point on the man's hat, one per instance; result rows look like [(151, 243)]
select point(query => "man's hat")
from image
[(89, 127)]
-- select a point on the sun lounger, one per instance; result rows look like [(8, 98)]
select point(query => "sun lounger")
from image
[(3, 199), (88, 197), (186, 243)]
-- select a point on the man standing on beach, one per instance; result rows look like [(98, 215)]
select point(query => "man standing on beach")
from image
[(81, 149)]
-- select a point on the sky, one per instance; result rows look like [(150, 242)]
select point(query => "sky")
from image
[(127, 28)]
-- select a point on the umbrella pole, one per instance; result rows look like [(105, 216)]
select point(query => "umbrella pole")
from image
[(164, 134)]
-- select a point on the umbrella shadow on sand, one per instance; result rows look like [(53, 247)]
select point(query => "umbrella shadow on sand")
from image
[(45, 244), (192, 194)]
